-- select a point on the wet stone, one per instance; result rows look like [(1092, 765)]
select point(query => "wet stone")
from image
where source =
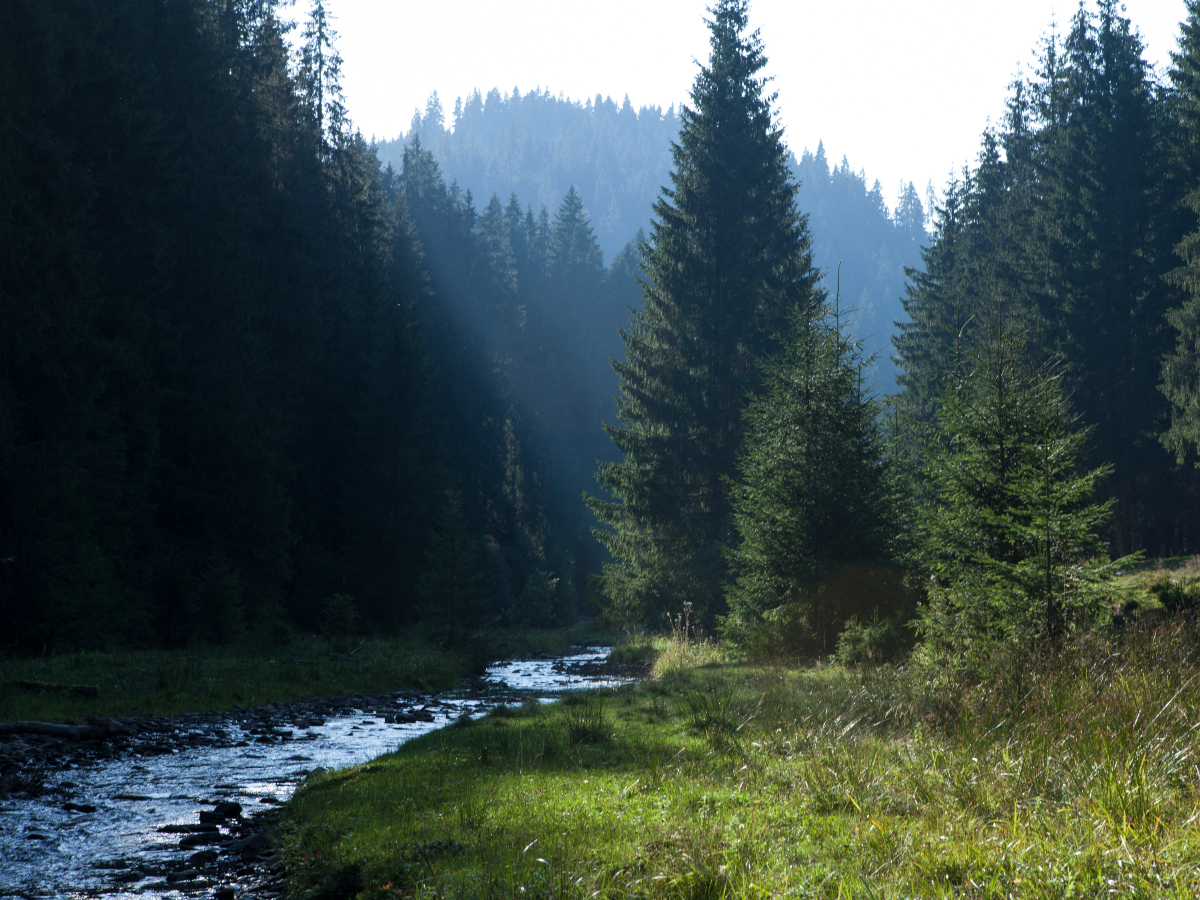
[(228, 809), (203, 858)]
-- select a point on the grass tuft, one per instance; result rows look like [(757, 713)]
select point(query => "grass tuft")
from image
[(585, 719)]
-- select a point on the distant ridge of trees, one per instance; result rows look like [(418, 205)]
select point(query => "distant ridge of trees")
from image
[(538, 145)]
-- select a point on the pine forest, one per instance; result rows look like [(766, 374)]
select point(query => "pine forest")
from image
[(260, 374)]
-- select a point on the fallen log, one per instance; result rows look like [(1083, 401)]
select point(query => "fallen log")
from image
[(96, 727), (85, 690)]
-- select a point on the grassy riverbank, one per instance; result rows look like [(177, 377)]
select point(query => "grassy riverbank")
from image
[(203, 679), (1072, 776)]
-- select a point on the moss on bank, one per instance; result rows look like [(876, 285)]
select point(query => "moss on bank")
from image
[(1072, 775)]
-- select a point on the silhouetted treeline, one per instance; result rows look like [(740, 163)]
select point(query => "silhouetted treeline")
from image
[(243, 372), (539, 146)]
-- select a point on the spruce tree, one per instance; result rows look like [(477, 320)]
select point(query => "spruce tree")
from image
[(1010, 533), (728, 258), (1181, 368), (320, 70), (452, 583), (1106, 232), (816, 505)]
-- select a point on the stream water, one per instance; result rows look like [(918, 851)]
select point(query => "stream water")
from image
[(120, 849)]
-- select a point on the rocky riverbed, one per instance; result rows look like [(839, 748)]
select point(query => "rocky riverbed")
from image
[(182, 805)]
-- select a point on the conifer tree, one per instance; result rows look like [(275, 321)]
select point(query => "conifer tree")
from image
[(1106, 232), (453, 584), (1010, 533), (1181, 368), (320, 71), (574, 253), (728, 259), (817, 496)]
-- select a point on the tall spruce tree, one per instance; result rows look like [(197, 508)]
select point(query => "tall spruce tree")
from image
[(728, 258), (1181, 368), (320, 70), (1107, 232)]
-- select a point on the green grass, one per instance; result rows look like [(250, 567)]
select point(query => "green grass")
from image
[(1076, 775), (202, 679), (1150, 583), (163, 682)]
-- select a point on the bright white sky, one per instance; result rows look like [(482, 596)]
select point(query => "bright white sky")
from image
[(901, 88)]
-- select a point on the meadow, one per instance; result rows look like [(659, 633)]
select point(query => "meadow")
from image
[(1071, 773)]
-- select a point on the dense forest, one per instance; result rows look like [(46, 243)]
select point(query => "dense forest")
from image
[(1070, 227), (257, 374), (539, 147), (1045, 421), (249, 380)]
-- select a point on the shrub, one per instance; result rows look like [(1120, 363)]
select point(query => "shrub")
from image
[(1177, 594), (879, 640)]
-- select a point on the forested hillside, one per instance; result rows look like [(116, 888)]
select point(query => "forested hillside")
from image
[(248, 380), (539, 146)]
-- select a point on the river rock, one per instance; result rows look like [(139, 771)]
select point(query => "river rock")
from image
[(228, 809), (250, 847), (199, 840), (203, 858)]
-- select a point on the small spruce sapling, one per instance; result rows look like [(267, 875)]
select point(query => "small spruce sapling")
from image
[(1010, 534), (816, 504)]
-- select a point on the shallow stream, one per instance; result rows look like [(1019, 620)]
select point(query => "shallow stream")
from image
[(120, 850)]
